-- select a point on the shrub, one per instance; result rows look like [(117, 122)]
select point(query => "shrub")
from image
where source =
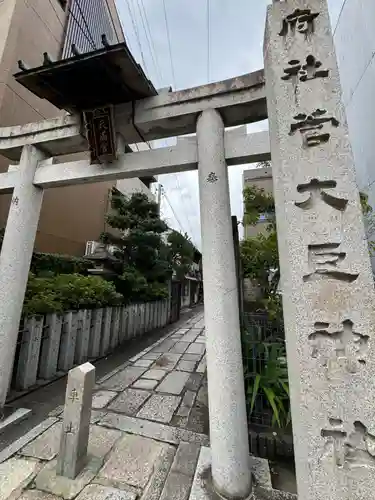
[(68, 291), (49, 264)]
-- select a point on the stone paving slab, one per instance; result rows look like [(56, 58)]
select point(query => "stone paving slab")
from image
[(167, 361), (155, 486), (191, 357), (199, 490), (129, 401), (186, 366), (37, 495), (27, 438), (186, 404), (164, 346), (202, 366), (99, 492), (190, 336), (46, 446), (159, 408), (155, 374), (179, 347), (123, 379), (144, 362), (96, 415), (146, 384), (261, 493), (15, 474), (100, 399), (154, 430), (132, 461), (113, 372), (194, 382), (174, 382), (177, 487), (47, 479), (196, 348), (186, 459)]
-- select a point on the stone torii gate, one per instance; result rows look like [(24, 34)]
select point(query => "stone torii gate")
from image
[(326, 278)]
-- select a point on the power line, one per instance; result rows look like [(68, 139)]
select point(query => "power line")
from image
[(80, 27), (84, 20), (183, 203), (208, 41), (147, 30), (135, 28), (169, 44), (57, 15), (174, 213)]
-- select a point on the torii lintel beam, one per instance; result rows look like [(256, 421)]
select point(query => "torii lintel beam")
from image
[(240, 148), (239, 100)]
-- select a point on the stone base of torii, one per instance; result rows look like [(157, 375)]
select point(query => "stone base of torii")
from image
[(327, 285)]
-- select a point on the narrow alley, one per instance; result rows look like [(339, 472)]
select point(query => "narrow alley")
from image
[(141, 411)]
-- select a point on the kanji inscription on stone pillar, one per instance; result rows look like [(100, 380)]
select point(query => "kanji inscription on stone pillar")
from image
[(326, 278)]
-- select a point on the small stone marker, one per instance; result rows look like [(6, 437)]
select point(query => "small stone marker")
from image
[(76, 425)]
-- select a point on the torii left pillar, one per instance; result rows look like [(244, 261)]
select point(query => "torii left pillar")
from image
[(15, 258)]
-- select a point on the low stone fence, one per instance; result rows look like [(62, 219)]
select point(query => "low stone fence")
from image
[(49, 346)]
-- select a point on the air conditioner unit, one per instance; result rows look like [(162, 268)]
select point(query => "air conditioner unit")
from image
[(90, 247), (112, 249)]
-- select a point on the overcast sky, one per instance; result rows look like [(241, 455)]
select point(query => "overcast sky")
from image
[(236, 39)]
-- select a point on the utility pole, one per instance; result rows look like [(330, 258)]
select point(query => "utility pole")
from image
[(160, 188)]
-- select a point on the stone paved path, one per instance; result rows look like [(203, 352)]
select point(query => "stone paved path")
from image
[(149, 422)]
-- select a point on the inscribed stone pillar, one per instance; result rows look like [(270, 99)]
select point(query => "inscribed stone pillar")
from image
[(76, 425), (326, 279)]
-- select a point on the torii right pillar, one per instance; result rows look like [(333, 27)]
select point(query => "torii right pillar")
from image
[(326, 279)]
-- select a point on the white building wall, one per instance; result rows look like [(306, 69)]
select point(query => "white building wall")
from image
[(355, 48), (134, 185)]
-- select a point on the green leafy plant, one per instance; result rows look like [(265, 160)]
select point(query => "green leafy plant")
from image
[(271, 382), (50, 264), (68, 291)]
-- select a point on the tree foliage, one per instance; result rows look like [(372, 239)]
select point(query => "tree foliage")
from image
[(181, 253), (260, 258), (259, 254), (144, 265)]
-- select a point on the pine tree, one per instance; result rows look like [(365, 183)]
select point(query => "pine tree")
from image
[(144, 266)]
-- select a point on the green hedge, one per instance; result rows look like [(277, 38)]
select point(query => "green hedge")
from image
[(49, 264), (68, 291)]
